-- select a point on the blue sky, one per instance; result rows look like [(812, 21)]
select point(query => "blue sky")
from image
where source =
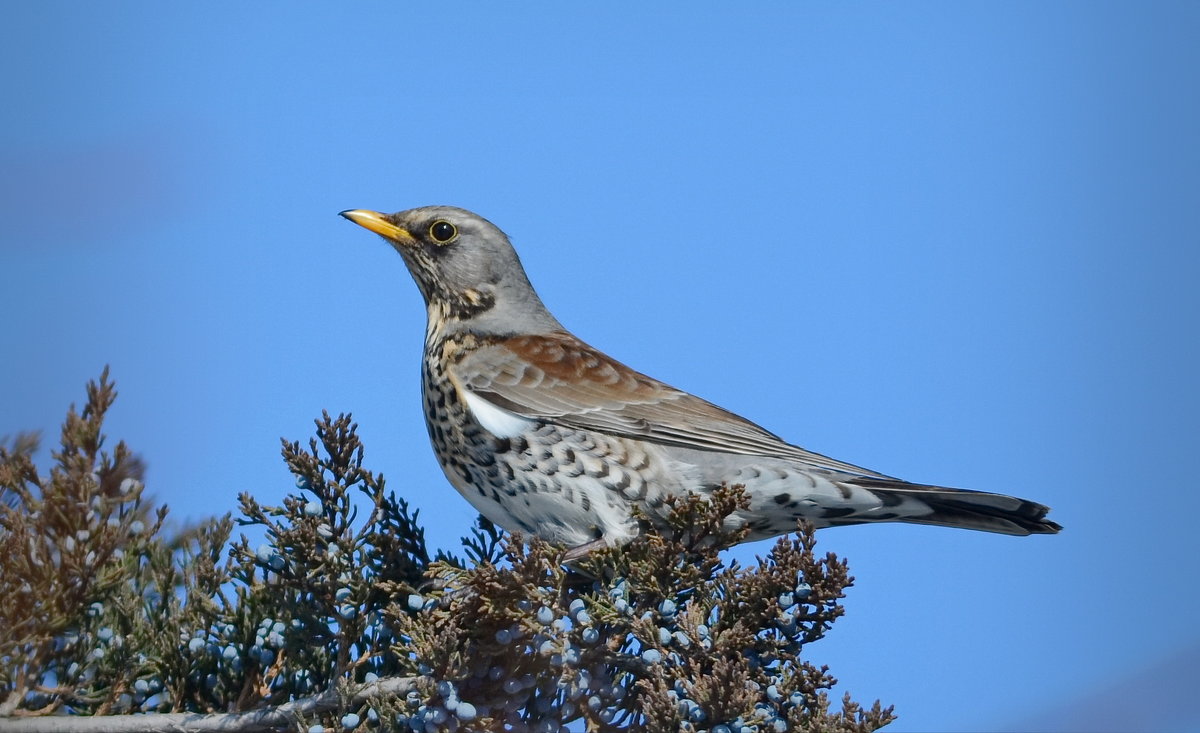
[(957, 243)]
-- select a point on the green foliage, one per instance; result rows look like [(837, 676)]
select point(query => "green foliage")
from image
[(668, 638), (95, 596), (342, 618), (315, 592)]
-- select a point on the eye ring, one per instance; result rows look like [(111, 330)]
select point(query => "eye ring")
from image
[(442, 231)]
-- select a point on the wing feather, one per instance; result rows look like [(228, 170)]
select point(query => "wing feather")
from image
[(557, 378)]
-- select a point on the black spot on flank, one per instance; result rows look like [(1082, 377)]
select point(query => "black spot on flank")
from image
[(782, 499), (597, 533), (622, 483), (502, 445), (585, 502), (568, 456), (601, 472)]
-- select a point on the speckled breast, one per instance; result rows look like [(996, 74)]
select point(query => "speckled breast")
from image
[(568, 486)]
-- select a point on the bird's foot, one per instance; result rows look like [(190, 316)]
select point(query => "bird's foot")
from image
[(581, 551)]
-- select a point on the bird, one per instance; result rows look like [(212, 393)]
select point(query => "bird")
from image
[(546, 435)]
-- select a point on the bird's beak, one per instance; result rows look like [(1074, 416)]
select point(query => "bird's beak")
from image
[(379, 224)]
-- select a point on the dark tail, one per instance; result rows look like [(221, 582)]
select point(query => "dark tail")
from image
[(962, 508)]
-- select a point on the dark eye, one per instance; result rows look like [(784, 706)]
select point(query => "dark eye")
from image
[(442, 231)]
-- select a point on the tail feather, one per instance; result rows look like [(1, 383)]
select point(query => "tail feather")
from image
[(964, 508)]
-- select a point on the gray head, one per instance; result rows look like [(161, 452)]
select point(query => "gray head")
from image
[(464, 266)]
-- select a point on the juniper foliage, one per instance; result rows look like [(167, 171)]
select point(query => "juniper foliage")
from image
[(343, 619)]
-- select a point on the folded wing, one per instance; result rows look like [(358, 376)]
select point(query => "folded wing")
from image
[(557, 378)]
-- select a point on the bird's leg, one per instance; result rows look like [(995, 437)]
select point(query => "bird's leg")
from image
[(581, 551), (448, 594)]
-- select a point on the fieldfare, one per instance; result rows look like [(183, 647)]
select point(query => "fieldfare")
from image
[(546, 435)]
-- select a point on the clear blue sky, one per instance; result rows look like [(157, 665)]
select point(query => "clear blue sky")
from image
[(956, 242)]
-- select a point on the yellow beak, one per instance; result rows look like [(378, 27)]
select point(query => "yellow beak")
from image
[(379, 224)]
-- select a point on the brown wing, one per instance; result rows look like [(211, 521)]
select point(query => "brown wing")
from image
[(558, 378)]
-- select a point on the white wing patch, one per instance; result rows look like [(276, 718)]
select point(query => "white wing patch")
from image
[(497, 421)]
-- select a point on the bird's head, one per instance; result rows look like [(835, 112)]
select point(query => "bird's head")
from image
[(463, 264)]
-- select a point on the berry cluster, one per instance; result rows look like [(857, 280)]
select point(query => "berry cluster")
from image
[(337, 610), (532, 646)]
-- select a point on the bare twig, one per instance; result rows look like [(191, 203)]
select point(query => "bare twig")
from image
[(267, 719)]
